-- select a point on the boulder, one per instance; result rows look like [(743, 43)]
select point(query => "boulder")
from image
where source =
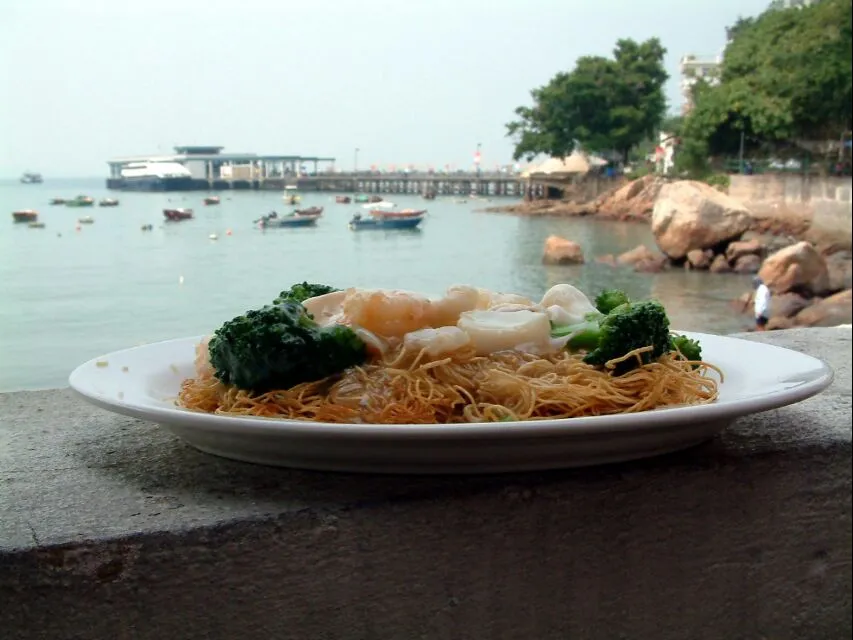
[(561, 251), (651, 265), (787, 305), (740, 248), (830, 312), (840, 272), (749, 263), (637, 254), (796, 268), (779, 322), (608, 259), (693, 215), (719, 264), (699, 259)]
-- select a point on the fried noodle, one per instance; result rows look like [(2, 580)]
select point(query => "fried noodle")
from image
[(408, 387)]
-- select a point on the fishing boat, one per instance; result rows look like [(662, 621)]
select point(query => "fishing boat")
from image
[(108, 202), (359, 222), (86, 220), (211, 200), (398, 213), (274, 221), (291, 195), (80, 201), (57, 201), (175, 215), (25, 215), (343, 199)]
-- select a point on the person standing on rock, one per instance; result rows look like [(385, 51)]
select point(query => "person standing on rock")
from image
[(761, 304)]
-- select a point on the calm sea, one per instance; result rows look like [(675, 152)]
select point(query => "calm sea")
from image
[(69, 294)]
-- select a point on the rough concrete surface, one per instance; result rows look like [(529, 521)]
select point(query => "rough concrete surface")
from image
[(112, 528)]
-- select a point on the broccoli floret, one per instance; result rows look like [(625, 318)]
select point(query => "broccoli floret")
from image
[(609, 299), (689, 348), (301, 292), (627, 327), (279, 346)]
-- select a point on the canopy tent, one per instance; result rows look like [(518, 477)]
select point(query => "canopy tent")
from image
[(576, 163)]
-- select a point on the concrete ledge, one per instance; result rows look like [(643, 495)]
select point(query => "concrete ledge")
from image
[(111, 528)]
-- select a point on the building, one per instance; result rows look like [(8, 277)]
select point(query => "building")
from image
[(695, 68)]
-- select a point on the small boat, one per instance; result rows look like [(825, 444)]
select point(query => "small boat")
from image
[(291, 196), (25, 215), (429, 195), (80, 201), (399, 213), (174, 215), (36, 225), (57, 201), (86, 220), (211, 200), (274, 221), (108, 202), (384, 222), (31, 178), (361, 197), (310, 211), (343, 199), (375, 199), (147, 227)]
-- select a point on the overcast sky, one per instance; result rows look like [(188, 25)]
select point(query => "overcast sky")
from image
[(406, 81)]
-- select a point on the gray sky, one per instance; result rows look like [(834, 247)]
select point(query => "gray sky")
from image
[(406, 81)]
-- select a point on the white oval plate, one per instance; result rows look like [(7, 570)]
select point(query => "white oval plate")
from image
[(143, 382)]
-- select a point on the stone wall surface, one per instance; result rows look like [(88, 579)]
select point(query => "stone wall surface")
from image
[(112, 528)]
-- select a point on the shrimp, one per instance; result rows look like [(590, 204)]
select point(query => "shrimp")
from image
[(457, 300), (389, 314)]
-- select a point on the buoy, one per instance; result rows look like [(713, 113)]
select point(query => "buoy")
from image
[(213, 236), (228, 232), (181, 280), (77, 228)]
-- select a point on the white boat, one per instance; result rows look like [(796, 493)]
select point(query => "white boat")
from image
[(155, 176)]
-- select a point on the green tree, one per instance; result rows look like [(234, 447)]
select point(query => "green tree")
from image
[(603, 104), (786, 76)]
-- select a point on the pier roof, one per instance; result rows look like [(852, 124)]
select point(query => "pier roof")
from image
[(226, 157)]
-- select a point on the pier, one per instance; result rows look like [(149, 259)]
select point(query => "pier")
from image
[(211, 169)]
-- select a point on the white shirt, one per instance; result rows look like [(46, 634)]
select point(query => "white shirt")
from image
[(762, 301)]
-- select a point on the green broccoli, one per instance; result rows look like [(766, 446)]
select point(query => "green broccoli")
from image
[(689, 348), (279, 346), (629, 326), (301, 292), (609, 299)]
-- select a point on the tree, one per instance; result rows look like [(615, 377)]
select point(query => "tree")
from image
[(603, 104), (786, 77)]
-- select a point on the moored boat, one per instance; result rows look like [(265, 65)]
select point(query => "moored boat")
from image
[(343, 199), (57, 201), (174, 215), (108, 202), (80, 201), (211, 200), (86, 220), (30, 177), (397, 213), (310, 211), (385, 222), (274, 221), (25, 215), (291, 195), (36, 225), (375, 199), (361, 197)]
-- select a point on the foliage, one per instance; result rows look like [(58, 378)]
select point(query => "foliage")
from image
[(786, 75), (603, 104), (718, 180)]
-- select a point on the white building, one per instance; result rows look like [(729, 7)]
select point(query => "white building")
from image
[(693, 69)]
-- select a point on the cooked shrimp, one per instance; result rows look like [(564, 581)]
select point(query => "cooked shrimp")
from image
[(457, 300), (386, 313)]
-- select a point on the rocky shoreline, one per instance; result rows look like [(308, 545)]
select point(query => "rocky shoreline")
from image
[(698, 227)]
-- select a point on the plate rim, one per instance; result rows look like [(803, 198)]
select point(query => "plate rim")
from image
[(655, 419)]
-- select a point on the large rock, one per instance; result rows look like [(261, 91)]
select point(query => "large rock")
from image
[(830, 312), (693, 215), (637, 254), (840, 271), (787, 305), (749, 263), (561, 251), (796, 268), (740, 248)]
